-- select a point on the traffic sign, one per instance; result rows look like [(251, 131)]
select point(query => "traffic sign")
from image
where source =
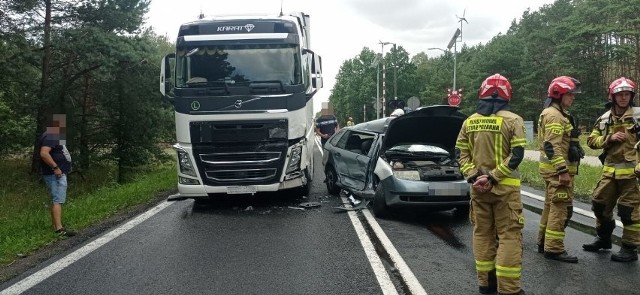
[(395, 104), (374, 103), (454, 99), (413, 103)]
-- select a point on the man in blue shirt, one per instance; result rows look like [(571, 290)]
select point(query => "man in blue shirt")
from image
[(326, 125), (55, 162)]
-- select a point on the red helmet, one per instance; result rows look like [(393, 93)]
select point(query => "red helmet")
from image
[(563, 84), (495, 86), (621, 84)]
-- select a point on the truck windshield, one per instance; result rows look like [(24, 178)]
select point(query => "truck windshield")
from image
[(201, 66)]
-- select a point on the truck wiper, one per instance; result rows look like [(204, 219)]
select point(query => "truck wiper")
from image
[(212, 84)]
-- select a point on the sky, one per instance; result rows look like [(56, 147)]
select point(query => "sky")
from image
[(340, 29)]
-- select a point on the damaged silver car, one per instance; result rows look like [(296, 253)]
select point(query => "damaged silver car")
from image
[(409, 161)]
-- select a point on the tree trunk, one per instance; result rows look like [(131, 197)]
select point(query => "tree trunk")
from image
[(82, 135), (43, 101)]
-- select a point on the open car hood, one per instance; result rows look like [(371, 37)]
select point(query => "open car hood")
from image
[(435, 125)]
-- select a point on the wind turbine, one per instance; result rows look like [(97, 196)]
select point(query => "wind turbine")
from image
[(460, 19)]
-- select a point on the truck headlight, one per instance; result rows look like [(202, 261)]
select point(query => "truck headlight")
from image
[(186, 167), (407, 174), (294, 160)]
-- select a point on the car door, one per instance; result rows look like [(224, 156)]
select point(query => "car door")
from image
[(337, 153), (357, 159)]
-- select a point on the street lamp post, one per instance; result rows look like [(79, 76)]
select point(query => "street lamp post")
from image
[(454, 65), (384, 100)]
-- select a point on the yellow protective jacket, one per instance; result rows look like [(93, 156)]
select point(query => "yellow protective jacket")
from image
[(554, 135), (620, 156), (486, 144)]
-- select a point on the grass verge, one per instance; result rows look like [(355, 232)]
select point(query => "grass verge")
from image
[(584, 183), (533, 145), (25, 224)]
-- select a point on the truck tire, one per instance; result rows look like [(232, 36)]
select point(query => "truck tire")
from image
[(305, 189)]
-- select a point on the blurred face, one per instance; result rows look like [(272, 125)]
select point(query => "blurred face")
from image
[(567, 100), (622, 98), (58, 127)]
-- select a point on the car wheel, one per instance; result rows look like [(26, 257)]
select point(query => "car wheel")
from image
[(462, 211), (332, 181), (380, 208)]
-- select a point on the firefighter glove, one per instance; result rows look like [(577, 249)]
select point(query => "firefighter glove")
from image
[(575, 151)]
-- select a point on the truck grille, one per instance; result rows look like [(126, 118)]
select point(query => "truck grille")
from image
[(240, 153), (240, 158), (242, 175)]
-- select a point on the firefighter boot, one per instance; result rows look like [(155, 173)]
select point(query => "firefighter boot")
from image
[(562, 256), (519, 293), (492, 288), (603, 240), (541, 247), (627, 253), (599, 243)]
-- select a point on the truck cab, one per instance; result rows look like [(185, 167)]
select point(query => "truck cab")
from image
[(243, 92)]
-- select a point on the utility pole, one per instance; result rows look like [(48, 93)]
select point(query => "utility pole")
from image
[(364, 113), (395, 74), (376, 61), (384, 100), (378, 92)]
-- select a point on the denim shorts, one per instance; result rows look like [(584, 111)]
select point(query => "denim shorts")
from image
[(58, 187)]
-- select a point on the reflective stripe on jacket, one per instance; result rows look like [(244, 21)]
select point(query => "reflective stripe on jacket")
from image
[(486, 143), (555, 128), (621, 156)]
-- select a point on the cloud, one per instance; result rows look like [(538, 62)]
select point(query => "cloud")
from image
[(341, 28), (407, 15)]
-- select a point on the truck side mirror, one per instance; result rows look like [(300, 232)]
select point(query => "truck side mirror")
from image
[(166, 84)]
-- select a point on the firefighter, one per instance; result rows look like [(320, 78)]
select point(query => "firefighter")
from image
[(350, 122), (617, 133), (560, 154), (491, 146)]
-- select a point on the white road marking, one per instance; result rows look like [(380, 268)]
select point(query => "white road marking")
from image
[(575, 209), (41, 275), (374, 260), (319, 144), (407, 275), (378, 268)]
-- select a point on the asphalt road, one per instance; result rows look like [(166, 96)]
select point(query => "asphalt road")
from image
[(265, 244), (268, 244)]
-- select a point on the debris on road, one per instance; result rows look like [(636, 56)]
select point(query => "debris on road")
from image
[(310, 204)]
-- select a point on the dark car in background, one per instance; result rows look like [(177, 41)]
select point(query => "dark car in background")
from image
[(409, 161)]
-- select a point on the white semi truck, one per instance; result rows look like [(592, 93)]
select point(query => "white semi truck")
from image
[(243, 92)]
